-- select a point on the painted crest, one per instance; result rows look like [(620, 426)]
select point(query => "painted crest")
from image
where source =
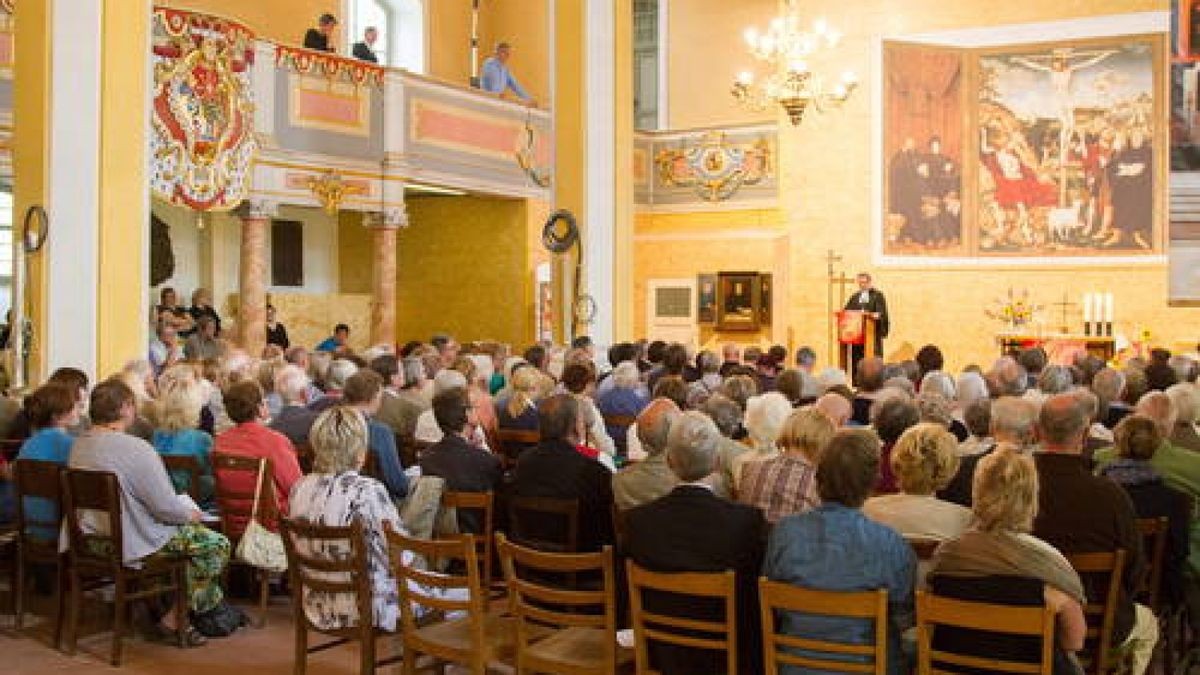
[(203, 143), (711, 165)]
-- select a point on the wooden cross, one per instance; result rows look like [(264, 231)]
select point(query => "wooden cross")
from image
[(841, 280), (1065, 304)]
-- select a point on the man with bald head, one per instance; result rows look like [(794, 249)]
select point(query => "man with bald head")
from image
[(1013, 423), (692, 530), (650, 478), (1082, 513), (731, 357), (1109, 386), (836, 407)]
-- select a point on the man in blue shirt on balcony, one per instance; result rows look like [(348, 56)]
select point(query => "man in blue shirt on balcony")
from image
[(497, 78)]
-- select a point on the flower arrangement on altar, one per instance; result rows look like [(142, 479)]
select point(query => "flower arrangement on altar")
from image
[(1016, 310)]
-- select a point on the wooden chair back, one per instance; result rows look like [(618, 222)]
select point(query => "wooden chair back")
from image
[(1154, 542), (923, 548), (100, 492), (236, 502), (40, 480), (649, 625), (776, 596), (371, 466), (1100, 612), (414, 575), (620, 421), (304, 457), (482, 503), (934, 611), (327, 559), (515, 441), (538, 606), (524, 514), (184, 467), (9, 448)]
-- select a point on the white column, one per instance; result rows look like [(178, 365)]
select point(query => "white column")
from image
[(600, 213), (72, 247)]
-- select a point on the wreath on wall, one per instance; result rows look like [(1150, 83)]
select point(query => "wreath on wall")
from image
[(162, 258)]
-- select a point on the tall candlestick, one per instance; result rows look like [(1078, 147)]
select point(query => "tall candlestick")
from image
[(1108, 307), (1087, 307)]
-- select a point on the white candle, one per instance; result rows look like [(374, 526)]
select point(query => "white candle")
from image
[(1087, 307), (1108, 307)]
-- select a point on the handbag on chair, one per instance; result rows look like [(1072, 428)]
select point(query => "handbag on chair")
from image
[(259, 546)]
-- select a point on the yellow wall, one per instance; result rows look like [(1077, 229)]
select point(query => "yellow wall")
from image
[(464, 269), (826, 203), (523, 23), (681, 246), (354, 254), (705, 54), (280, 20)]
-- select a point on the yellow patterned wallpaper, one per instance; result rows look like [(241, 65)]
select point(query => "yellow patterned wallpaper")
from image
[(463, 268)]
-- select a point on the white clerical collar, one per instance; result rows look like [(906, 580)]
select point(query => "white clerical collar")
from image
[(864, 296)]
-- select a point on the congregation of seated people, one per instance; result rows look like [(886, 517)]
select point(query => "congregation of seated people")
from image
[(982, 485)]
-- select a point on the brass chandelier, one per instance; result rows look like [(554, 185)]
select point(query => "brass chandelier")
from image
[(783, 51)]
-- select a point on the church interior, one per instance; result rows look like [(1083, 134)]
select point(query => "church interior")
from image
[(844, 182)]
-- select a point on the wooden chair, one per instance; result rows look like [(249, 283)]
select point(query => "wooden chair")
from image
[(304, 457), (934, 611), (481, 502), (189, 468), (99, 558), (1154, 538), (1100, 613), (39, 480), (371, 466), (407, 449), (342, 573), (235, 506), (515, 441), (783, 597), (562, 630), (682, 631), (923, 548), (525, 512), (477, 639)]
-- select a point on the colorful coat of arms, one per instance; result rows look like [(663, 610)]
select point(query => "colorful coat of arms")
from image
[(203, 139), (714, 167)]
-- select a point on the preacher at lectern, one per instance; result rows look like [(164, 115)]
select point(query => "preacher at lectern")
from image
[(868, 299)]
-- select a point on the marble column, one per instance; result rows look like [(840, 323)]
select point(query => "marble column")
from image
[(252, 277), (384, 227)]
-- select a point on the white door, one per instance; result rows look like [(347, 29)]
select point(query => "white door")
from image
[(671, 311)]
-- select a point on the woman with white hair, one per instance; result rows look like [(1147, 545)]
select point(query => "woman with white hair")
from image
[(176, 419), (1183, 395), (336, 494), (764, 420)]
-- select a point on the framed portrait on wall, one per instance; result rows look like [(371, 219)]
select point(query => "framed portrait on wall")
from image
[(706, 298), (739, 301)]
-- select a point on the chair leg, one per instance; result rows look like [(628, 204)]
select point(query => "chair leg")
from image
[(182, 620), (410, 661), (367, 649), (76, 596), (264, 596), (300, 658), (19, 592), (60, 597), (119, 609)]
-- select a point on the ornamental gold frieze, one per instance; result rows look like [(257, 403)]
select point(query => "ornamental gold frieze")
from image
[(712, 165)]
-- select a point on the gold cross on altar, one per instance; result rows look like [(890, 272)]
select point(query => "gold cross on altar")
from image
[(840, 278), (1065, 304)]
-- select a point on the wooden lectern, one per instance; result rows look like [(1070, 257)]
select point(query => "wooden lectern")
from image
[(855, 328)]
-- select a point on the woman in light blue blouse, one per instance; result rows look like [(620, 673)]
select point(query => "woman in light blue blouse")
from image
[(176, 418), (51, 410)]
